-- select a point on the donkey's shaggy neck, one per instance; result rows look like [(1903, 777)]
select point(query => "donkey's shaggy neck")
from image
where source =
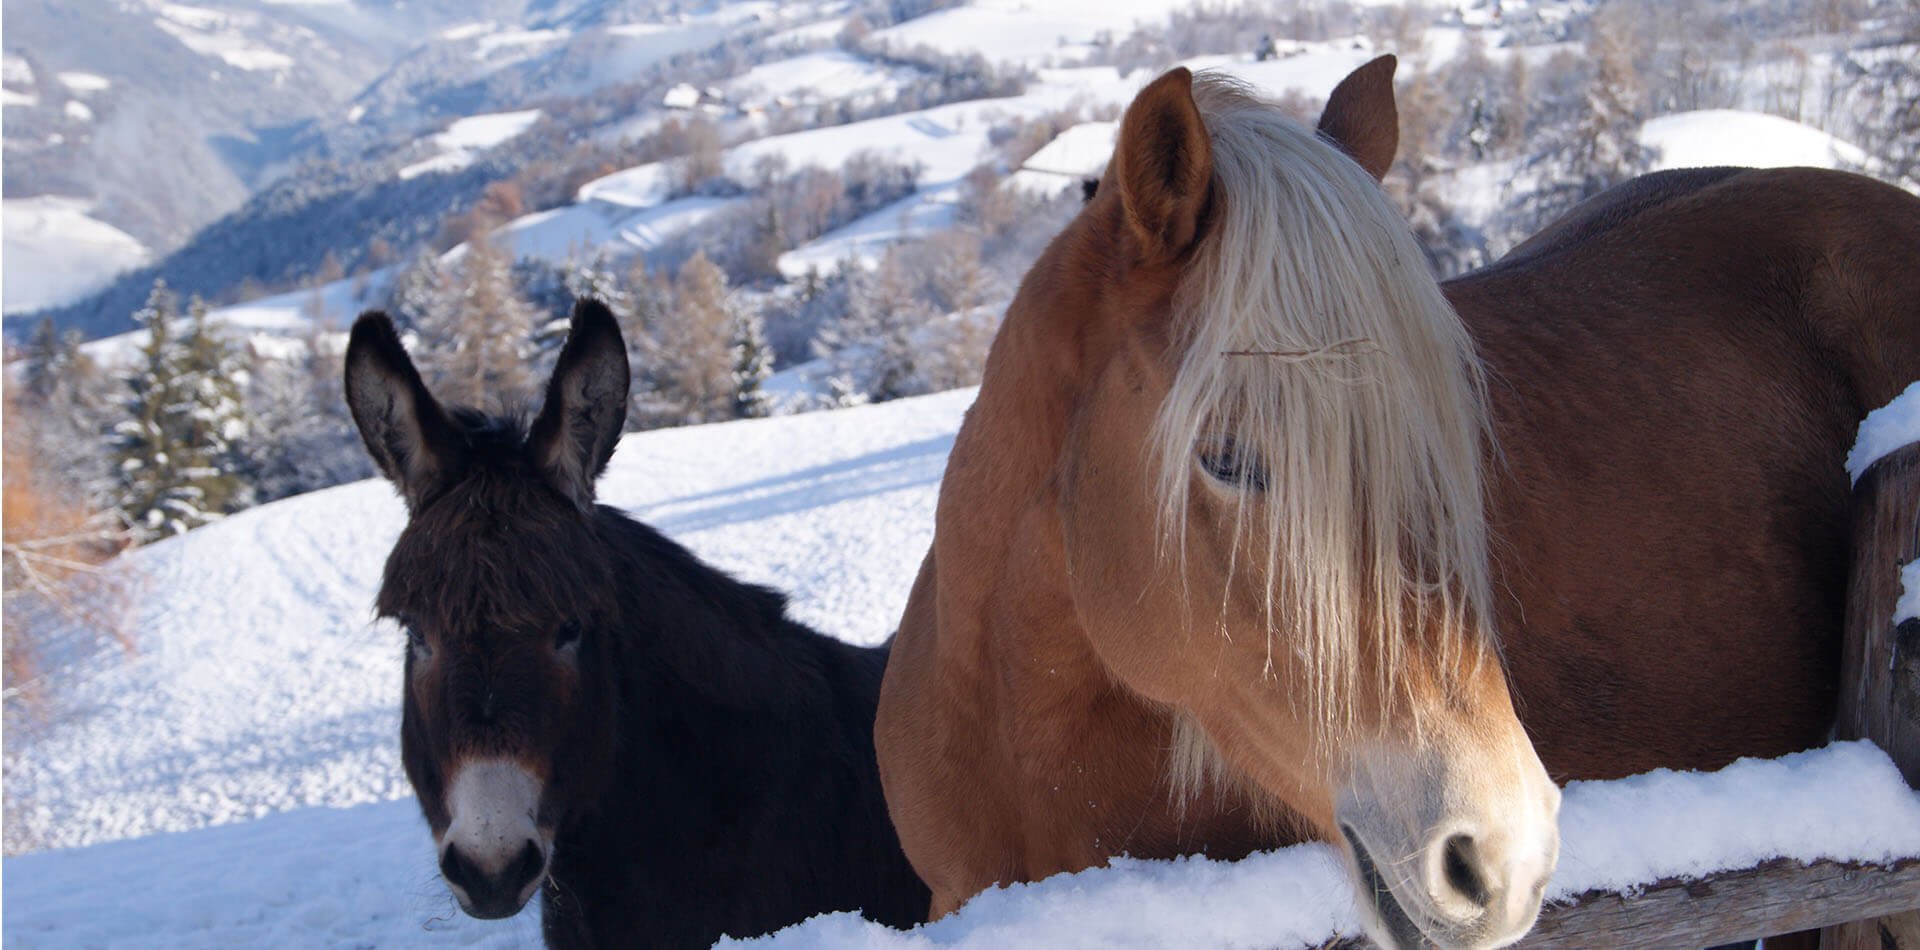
[(1318, 344)]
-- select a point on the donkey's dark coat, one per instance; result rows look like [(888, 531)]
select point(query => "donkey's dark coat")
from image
[(707, 763)]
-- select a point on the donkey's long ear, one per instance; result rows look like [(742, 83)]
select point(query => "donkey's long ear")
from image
[(1163, 164), (1361, 118), (586, 404), (409, 436)]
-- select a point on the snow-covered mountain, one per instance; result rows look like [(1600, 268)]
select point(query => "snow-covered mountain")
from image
[(159, 117), (352, 131)]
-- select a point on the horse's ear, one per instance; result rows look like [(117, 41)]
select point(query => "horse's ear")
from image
[(586, 404), (409, 436), (1361, 118), (1163, 164)]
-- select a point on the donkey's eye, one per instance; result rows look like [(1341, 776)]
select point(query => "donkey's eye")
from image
[(1228, 463), (566, 636), (416, 641)]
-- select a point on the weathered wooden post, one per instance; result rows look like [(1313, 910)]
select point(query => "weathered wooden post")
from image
[(1880, 661)]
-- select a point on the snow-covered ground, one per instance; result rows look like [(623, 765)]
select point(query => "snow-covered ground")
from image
[(1076, 154), (247, 744), (1059, 32), (465, 139), (1728, 137), (825, 76), (223, 35), (56, 253), (259, 684), (633, 210)]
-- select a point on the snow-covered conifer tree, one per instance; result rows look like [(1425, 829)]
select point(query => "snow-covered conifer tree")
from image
[(177, 451), (752, 364)]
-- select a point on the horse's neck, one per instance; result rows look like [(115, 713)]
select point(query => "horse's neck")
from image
[(1092, 757)]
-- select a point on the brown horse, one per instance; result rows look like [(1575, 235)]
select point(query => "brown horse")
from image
[(1256, 532)]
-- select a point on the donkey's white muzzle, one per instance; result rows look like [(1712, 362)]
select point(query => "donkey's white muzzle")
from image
[(493, 853)]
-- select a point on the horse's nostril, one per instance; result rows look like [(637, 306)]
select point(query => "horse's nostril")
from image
[(1461, 863)]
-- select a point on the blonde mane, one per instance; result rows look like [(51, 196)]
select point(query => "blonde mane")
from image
[(1317, 345)]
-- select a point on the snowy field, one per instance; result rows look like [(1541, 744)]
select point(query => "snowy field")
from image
[(261, 684), (465, 139), (235, 779), (633, 209), (55, 252)]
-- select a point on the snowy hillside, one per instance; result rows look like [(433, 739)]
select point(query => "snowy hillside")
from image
[(258, 684), (248, 744), (56, 253), (1729, 137)]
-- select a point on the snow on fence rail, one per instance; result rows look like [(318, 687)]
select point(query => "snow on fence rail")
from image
[(1762, 846)]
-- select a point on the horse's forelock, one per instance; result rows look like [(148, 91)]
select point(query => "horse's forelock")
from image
[(1317, 342)]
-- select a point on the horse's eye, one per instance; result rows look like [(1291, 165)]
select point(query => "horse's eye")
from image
[(416, 641), (566, 636), (1226, 462)]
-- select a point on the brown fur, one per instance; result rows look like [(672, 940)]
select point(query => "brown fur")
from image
[(1675, 371)]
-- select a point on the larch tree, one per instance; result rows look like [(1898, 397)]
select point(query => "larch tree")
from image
[(1598, 145), (476, 333), (411, 295), (691, 371)]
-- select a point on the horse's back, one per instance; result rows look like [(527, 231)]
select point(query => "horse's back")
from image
[(1829, 255), (1676, 370)]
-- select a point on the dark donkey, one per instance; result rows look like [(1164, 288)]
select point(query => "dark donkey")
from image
[(592, 712)]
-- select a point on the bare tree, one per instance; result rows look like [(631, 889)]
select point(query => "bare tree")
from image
[(1882, 94), (476, 331), (690, 350)]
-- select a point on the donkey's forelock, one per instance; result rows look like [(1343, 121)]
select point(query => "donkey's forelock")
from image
[(500, 544)]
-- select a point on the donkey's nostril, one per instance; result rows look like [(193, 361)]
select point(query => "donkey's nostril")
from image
[(459, 871), (497, 893), (1461, 865), (525, 868)]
